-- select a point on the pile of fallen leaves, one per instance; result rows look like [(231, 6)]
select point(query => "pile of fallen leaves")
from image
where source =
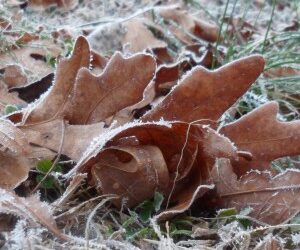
[(137, 124)]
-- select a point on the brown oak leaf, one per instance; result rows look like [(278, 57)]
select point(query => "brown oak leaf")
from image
[(204, 94), (52, 104), (138, 159), (56, 135), (272, 200), (121, 84), (260, 133)]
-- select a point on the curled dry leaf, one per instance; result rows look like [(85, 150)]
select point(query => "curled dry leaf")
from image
[(135, 161), (31, 209), (26, 38), (266, 138), (167, 73), (143, 169), (273, 200), (205, 94)]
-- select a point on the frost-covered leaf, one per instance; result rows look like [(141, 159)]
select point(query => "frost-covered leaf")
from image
[(71, 140), (204, 94), (43, 4), (167, 73), (7, 98), (14, 166), (14, 76), (272, 200), (137, 28), (121, 84), (14, 170), (13, 138), (266, 138), (32, 57), (52, 104), (30, 208), (188, 24), (173, 159), (133, 172)]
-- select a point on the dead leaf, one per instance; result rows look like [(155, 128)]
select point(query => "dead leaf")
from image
[(137, 28), (240, 29), (272, 200), (64, 4), (188, 24), (14, 164), (26, 38), (31, 209), (98, 62), (7, 98), (51, 105), (266, 138), (5, 24), (32, 57), (13, 138), (134, 173), (58, 136), (178, 152), (170, 72), (281, 72), (14, 170), (121, 84), (205, 94), (14, 76)]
